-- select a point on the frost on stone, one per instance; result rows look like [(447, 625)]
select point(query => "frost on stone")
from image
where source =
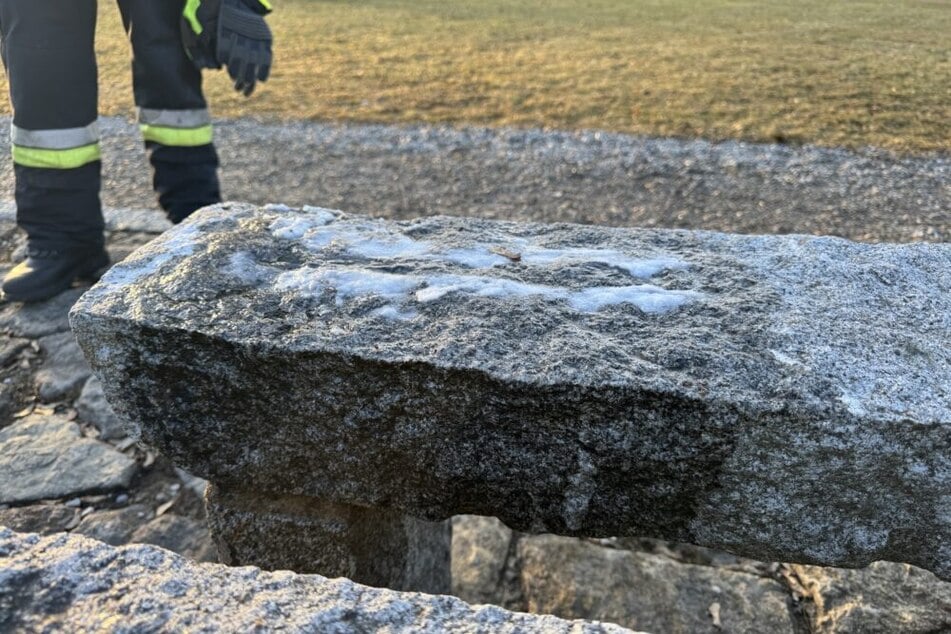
[(149, 261), (380, 244), (379, 241), (401, 290)]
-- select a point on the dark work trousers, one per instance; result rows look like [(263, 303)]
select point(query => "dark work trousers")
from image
[(49, 55)]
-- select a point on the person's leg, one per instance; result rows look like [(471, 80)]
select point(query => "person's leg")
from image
[(173, 114), (49, 56)]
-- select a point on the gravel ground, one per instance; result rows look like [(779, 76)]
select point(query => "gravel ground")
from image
[(589, 177)]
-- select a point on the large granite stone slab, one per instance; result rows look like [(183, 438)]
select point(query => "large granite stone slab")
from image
[(783, 397), (75, 584)]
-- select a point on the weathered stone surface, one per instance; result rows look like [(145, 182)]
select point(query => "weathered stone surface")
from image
[(115, 527), (567, 577), (193, 483), (481, 550), (782, 397), (46, 457), (39, 319), (376, 547), (64, 369), (39, 518), (10, 347), (884, 598), (181, 535), (73, 584), (93, 407)]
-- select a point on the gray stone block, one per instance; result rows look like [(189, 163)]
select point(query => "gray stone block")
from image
[(781, 397), (94, 408), (564, 576), (74, 584), (43, 457), (370, 546), (64, 370)]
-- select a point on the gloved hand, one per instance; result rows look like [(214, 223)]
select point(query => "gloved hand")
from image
[(229, 33)]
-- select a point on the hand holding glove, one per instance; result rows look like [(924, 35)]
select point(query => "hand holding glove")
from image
[(229, 33)]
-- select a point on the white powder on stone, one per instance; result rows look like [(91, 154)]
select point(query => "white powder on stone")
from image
[(400, 289), (177, 244), (474, 258), (440, 285), (296, 227), (572, 256), (390, 247), (393, 312), (376, 241), (649, 298), (246, 269), (347, 284)]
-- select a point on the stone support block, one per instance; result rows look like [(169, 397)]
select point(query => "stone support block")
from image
[(374, 547)]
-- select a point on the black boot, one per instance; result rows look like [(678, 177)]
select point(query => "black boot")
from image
[(46, 273)]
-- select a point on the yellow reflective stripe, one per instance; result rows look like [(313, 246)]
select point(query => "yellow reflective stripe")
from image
[(190, 13), (178, 137), (56, 159), (266, 4)]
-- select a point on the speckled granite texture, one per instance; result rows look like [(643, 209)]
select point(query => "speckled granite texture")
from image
[(68, 583), (783, 397)]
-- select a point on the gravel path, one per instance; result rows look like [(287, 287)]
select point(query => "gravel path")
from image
[(590, 177)]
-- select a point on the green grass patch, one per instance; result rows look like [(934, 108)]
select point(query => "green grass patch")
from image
[(857, 73)]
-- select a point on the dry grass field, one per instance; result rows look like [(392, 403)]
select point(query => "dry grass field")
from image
[(857, 73)]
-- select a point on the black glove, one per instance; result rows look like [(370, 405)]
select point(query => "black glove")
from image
[(229, 33)]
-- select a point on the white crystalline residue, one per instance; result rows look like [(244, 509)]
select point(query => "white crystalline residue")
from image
[(393, 312), (376, 241), (649, 298), (386, 247), (179, 243), (399, 289), (853, 404), (296, 227), (474, 258), (783, 358), (348, 283), (277, 207), (440, 285), (634, 266), (245, 268)]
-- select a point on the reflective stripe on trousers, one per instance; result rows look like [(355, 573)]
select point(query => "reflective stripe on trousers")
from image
[(176, 128), (65, 148)]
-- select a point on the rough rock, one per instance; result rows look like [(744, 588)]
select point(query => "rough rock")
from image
[(115, 527), (64, 370), (183, 535), (39, 518), (10, 347), (40, 319), (375, 547), (781, 397), (481, 549), (567, 577), (93, 407), (883, 598), (45, 457), (70, 583), (193, 483)]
